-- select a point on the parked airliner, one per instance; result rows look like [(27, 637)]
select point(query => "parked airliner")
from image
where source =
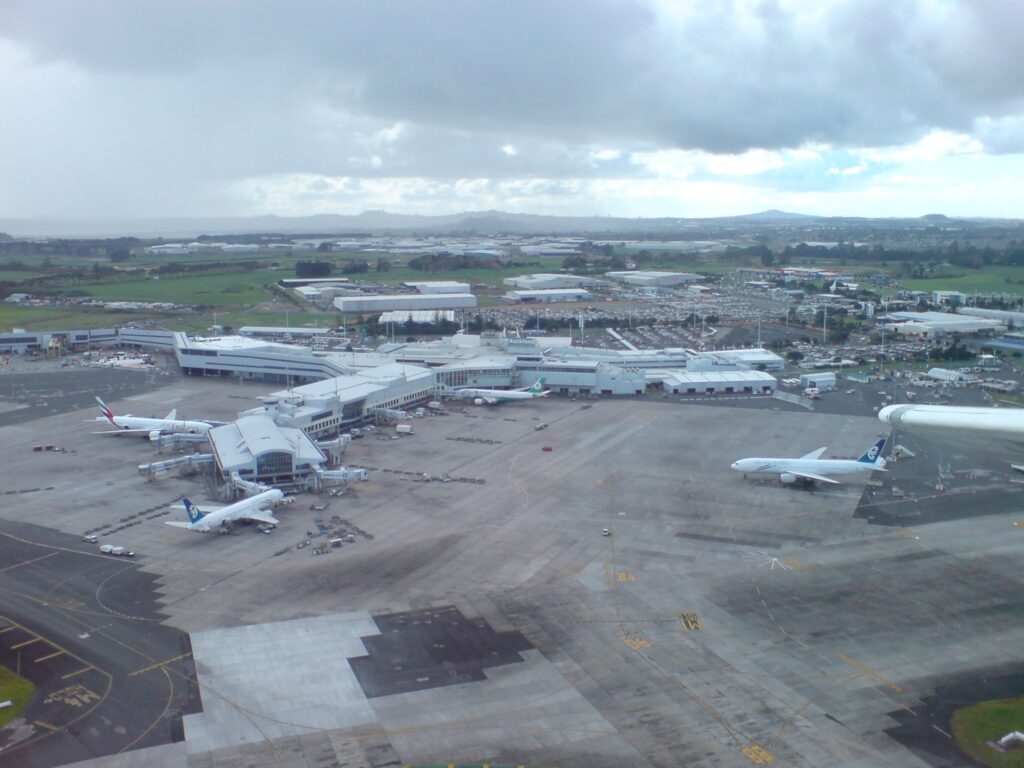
[(812, 468), (139, 425), (254, 508), (497, 396)]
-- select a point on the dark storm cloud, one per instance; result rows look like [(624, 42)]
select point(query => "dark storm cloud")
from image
[(721, 76), (205, 92)]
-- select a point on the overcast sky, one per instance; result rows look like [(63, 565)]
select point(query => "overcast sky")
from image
[(131, 108)]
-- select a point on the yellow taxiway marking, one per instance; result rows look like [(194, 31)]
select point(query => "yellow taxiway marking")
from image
[(47, 726), (78, 672), (49, 656), (758, 755), (868, 671), (27, 642), (6, 629), (159, 664), (27, 562)]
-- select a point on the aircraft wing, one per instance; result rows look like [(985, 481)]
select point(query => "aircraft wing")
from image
[(811, 476), (815, 455), (126, 432), (260, 516)]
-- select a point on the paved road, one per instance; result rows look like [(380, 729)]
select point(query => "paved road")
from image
[(85, 629)]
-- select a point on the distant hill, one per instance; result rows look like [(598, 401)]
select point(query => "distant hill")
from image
[(774, 215), (471, 223)]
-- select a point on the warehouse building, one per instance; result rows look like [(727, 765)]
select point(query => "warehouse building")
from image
[(540, 281), (1006, 317), (927, 325), (582, 377), (717, 383), (368, 304), (756, 358), (434, 287), (546, 295), (647, 279)]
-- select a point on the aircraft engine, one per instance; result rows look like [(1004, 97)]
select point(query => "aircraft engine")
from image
[(787, 478), (154, 436), (478, 401)]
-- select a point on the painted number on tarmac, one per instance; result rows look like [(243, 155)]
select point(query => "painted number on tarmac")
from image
[(690, 621), (625, 576), (638, 643), (74, 695), (758, 755)]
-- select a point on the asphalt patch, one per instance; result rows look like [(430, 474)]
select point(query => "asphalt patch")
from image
[(43, 394), (432, 648), (86, 629), (924, 732)]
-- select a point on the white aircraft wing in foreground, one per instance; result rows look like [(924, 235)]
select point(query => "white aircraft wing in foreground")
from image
[(996, 431)]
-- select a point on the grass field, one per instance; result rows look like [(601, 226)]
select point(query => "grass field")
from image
[(44, 319), (16, 689), (984, 280), (987, 721), (232, 290)]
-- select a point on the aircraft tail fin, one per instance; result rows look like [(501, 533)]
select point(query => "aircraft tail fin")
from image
[(173, 415), (105, 410), (194, 515), (537, 387), (873, 455)]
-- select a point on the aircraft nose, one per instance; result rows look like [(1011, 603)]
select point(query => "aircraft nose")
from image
[(735, 465)]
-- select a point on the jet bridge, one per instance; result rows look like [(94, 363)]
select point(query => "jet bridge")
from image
[(247, 486), (176, 439), (387, 415), (326, 478), (156, 468), (333, 449)]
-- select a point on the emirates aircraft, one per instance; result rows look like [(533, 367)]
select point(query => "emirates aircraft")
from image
[(139, 425)]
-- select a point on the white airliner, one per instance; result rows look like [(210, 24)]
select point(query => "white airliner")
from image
[(254, 508), (997, 431), (139, 425), (496, 396), (811, 468)]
